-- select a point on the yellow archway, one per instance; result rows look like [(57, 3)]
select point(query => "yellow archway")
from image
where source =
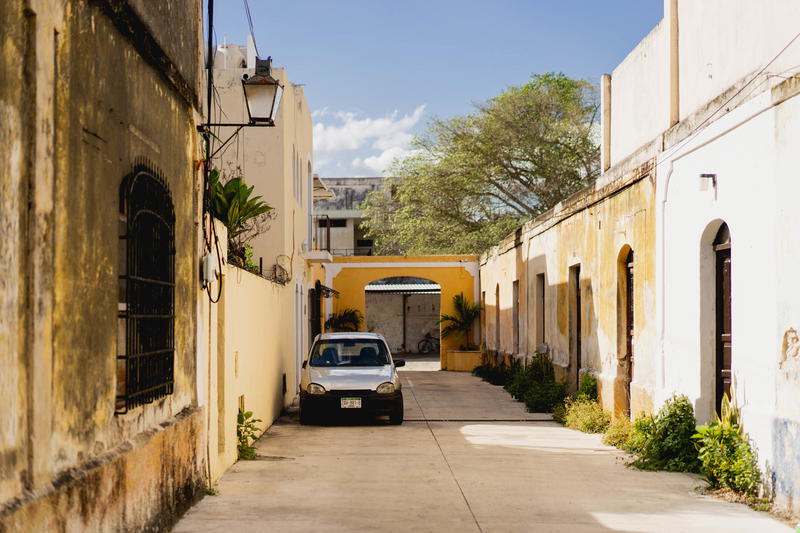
[(454, 273)]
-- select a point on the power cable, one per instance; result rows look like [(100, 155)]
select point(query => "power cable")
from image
[(696, 130), (250, 23)]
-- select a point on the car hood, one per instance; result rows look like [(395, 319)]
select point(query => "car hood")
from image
[(351, 377)]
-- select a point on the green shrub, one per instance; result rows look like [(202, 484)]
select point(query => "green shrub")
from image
[(726, 457), (498, 373), (541, 368), (560, 413), (663, 441), (586, 415), (618, 433), (481, 370), (587, 387), (543, 397)]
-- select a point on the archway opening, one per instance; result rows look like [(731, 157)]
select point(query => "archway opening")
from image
[(406, 311), (625, 331)]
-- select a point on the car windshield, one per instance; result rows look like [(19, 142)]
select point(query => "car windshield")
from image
[(349, 352)]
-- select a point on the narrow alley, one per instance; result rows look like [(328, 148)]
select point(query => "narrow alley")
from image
[(467, 458)]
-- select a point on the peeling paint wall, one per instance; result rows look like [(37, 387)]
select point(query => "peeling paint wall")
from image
[(85, 95), (753, 153), (592, 230)]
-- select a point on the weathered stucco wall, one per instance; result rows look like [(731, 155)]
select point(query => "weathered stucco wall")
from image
[(753, 153), (82, 102), (593, 230)]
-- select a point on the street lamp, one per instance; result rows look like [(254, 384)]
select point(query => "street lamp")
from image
[(262, 94)]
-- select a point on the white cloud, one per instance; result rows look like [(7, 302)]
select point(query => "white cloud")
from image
[(377, 141), (379, 163)]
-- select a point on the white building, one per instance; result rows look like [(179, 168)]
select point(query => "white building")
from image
[(712, 93), (338, 218)]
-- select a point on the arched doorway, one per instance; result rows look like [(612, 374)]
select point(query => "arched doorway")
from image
[(723, 338), (405, 310), (625, 329)]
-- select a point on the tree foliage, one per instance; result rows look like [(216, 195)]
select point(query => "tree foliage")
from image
[(472, 180)]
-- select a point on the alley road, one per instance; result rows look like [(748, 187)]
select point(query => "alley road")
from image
[(467, 458)]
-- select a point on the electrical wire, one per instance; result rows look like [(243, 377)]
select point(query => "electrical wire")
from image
[(250, 23), (672, 151)]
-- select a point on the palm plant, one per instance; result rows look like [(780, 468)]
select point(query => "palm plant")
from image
[(242, 214), (347, 319), (460, 323)]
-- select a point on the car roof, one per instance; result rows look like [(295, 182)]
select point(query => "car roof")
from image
[(351, 335)]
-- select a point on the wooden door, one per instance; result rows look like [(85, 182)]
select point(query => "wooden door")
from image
[(724, 339), (629, 326)]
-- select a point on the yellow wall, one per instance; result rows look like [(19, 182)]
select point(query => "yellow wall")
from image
[(255, 346), (454, 273), (592, 230)]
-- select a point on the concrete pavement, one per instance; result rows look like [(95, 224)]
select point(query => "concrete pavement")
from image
[(470, 473)]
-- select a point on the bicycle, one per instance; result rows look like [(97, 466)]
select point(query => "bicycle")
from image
[(428, 344)]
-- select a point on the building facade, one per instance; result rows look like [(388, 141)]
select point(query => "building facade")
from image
[(673, 274), (260, 328), (337, 224), (101, 428)]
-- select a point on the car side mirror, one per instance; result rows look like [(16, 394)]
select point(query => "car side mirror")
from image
[(399, 362), (305, 363)]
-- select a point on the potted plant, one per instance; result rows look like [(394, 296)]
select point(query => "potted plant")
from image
[(459, 325), (346, 319)]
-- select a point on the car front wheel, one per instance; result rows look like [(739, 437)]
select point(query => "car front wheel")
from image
[(306, 416), (396, 418)]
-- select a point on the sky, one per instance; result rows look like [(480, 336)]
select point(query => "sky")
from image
[(376, 71)]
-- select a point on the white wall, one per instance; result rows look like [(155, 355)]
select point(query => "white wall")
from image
[(639, 95), (723, 41), (753, 152)]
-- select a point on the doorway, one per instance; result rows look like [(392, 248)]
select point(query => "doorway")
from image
[(629, 329), (575, 320), (724, 342)]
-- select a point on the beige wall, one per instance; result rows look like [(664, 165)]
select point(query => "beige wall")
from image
[(273, 160), (253, 347), (261, 327)]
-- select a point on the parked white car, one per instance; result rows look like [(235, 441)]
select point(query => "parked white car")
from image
[(350, 372)]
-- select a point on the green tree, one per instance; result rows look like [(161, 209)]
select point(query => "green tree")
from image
[(473, 179)]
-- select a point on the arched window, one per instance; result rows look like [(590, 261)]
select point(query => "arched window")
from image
[(146, 337)]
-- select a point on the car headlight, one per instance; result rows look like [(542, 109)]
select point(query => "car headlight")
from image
[(315, 388), (385, 388)]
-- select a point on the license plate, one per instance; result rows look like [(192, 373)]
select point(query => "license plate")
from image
[(351, 403)]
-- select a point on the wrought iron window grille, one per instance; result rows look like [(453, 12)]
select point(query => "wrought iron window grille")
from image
[(146, 336)]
